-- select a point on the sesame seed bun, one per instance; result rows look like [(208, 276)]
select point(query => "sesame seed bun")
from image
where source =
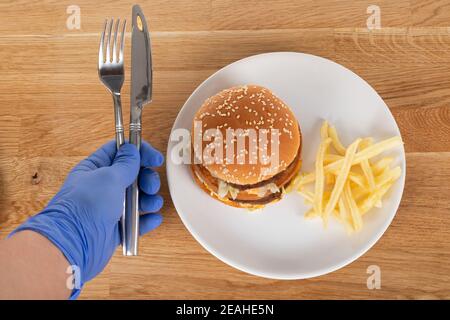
[(249, 107)]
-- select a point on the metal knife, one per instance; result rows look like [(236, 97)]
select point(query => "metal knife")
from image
[(141, 94)]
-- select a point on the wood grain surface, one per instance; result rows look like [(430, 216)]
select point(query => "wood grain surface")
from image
[(54, 112)]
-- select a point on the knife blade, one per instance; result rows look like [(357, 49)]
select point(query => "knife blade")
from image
[(141, 94), (141, 60)]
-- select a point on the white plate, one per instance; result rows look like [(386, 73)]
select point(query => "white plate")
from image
[(277, 241)]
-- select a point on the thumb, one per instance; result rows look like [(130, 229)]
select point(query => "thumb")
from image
[(126, 164)]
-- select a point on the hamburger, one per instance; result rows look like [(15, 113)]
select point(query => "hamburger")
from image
[(231, 174)]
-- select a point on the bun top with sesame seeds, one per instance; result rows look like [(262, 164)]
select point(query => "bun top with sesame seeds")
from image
[(237, 110)]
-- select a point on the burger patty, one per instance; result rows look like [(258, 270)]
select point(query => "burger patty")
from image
[(280, 176), (280, 180), (252, 204), (265, 200)]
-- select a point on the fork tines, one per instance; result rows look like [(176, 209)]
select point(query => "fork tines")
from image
[(105, 59)]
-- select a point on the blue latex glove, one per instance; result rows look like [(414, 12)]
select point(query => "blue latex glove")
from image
[(82, 220)]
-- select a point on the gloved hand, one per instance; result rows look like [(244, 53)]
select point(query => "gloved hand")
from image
[(82, 220)]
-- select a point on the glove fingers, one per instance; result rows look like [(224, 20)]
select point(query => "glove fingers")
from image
[(150, 203), (125, 167), (103, 157), (150, 157), (149, 181), (148, 222)]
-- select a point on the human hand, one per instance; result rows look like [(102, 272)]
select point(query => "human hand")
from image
[(82, 220)]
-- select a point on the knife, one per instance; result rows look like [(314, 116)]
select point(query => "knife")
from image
[(141, 94)]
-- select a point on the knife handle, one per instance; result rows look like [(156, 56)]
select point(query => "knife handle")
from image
[(131, 225)]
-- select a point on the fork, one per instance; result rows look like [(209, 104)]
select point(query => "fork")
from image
[(111, 72)]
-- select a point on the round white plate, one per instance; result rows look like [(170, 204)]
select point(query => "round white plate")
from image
[(277, 241)]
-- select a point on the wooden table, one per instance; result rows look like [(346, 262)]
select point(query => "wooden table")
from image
[(54, 112)]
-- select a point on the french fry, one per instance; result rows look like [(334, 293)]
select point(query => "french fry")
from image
[(341, 178), (354, 210), (332, 133), (319, 186), (308, 195), (311, 214), (377, 148), (329, 158), (388, 175), (365, 165), (353, 176), (383, 187), (381, 165), (360, 192), (366, 142), (295, 184), (344, 215), (396, 173), (357, 179), (383, 178), (367, 153), (368, 173), (330, 178), (348, 184), (324, 130), (370, 202)]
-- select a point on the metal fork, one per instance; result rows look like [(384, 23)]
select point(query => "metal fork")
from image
[(111, 71)]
